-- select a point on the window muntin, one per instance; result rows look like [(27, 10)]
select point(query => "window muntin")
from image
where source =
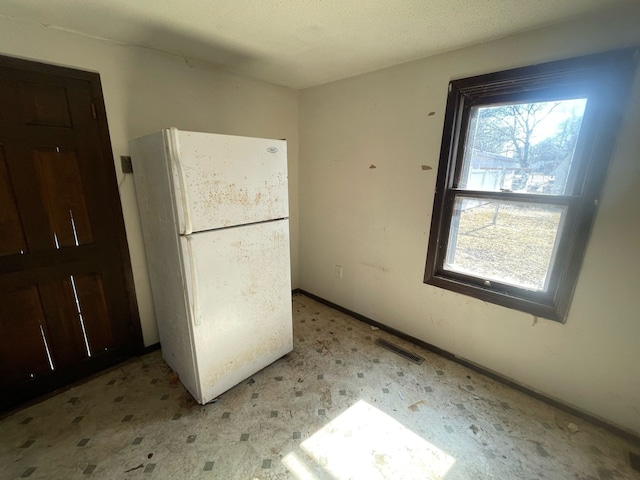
[(545, 208)]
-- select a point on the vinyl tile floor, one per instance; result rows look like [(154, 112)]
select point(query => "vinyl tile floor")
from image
[(338, 407)]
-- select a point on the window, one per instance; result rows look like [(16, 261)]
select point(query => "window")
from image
[(522, 163)]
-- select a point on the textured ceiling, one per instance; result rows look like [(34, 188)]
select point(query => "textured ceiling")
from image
[(300, 43)]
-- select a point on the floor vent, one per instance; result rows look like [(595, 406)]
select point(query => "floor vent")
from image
[(400, 351)]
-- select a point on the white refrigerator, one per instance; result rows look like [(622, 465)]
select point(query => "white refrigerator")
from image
[(214, 212)]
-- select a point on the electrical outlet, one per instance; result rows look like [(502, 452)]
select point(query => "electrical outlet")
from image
[(338, 271)]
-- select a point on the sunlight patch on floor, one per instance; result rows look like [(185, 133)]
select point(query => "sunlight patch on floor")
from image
[(366, 443)]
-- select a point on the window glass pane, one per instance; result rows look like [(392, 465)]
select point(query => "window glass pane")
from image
[(522, 147), (509, 242)]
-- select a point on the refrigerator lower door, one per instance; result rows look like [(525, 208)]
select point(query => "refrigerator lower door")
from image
[(239, 287)]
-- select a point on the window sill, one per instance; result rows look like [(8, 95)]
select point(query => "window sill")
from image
[(543, 307)]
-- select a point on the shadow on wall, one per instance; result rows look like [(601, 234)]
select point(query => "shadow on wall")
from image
[(140, 31), (146, 91)]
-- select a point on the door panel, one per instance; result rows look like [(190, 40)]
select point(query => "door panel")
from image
[(63, 196), (67, 338), (12, 239), (67, 309), (45, 105), (92, 307), (23, 351)]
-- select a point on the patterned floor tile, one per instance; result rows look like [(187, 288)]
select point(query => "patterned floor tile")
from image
[(337, 407)]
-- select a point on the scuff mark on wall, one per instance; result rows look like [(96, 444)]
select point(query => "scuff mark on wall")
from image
[(426, 167), (377, 267), (372, 166)]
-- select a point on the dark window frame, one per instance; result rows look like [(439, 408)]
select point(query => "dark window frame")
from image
[(605, 80)]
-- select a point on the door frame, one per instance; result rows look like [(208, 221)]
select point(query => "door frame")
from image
[(108, 166)]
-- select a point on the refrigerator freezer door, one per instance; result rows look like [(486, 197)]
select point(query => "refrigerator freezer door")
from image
[(225, 180), (240, 288)]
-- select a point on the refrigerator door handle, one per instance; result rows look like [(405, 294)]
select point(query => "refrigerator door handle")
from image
[(181, 191), (194, 284)]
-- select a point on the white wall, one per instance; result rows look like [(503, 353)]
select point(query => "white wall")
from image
[(145, 91), (375, 223)]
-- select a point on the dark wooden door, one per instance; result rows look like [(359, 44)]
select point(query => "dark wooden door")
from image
[(66, 300)]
